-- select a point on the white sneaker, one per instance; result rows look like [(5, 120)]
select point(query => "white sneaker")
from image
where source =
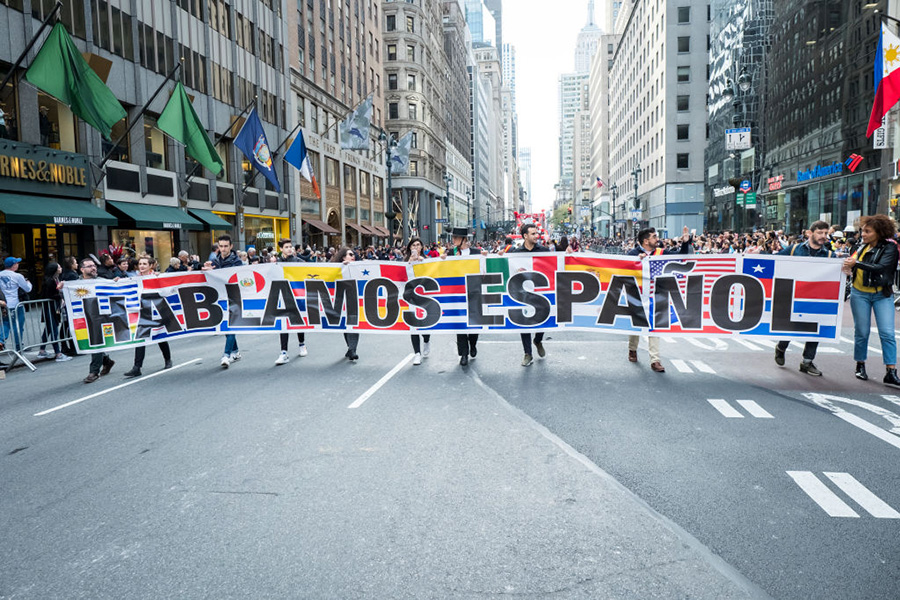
[(282, 358), (62, 357), (303, 351), (417, 359), (426, 349), (225, 362), (44, 354), (235, 356)]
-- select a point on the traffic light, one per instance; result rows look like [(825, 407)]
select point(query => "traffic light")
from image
[(570, 210)]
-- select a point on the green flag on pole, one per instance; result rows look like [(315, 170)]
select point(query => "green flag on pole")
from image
[(179, 120), (61, 71)]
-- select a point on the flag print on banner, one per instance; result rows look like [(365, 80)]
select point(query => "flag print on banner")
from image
[(781, 297)]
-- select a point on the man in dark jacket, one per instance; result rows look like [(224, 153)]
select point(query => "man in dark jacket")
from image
[(530, 238), (107, 267), (465, 342), (225, 258), (289, 255), (101, 363), (816, 245), (648, 245)]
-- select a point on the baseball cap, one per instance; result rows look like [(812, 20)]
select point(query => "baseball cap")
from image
[(10, 261)]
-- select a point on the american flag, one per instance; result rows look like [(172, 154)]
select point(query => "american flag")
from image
[(711, 268)]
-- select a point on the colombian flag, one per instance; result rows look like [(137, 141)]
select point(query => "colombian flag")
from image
[(887, 77)]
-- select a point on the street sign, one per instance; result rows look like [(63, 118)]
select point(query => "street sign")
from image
[(745, 186), (635, 214), (441, 220), (737, 139), (747, 200), (879, 136), (634, 221)]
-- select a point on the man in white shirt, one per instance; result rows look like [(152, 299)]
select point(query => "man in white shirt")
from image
[(11, 281)]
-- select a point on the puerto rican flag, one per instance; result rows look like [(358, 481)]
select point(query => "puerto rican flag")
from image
[(887, 77)]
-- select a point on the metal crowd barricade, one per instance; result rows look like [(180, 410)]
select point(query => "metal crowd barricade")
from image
[(32, 324)]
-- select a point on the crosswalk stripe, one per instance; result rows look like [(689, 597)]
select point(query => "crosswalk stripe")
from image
[(702, 366), (726, 409), (755, 409), (766, 343), (747, 344), (681, 366), (860, 494), (821, 495), (846, 341)]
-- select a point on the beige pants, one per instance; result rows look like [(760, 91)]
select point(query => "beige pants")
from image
[(652, 344)]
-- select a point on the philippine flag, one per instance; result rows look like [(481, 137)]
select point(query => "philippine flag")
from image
[(297, 157), (887, 77)]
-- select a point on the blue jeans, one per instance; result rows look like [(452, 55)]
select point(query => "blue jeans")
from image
[(15, 323), (862, 304), (230, 344)]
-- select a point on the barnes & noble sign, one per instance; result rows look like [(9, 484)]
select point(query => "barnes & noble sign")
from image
[(38, 170)]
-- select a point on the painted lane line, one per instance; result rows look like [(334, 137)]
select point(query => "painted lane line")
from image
[(766, 343), (747, 344), (860, 494), (821, 495), (702, 366), (847, 341), (681, 365), (830, 402), (726, 409), (755, 409), (368, 393), (875, 430), (891, 398), (874, 349), (117, 387)]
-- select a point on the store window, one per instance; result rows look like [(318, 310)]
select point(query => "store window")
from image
[(350, 212), (222, 151), (263, 232), (377, 188), (9, 113), (364, 184), (154, 144), (57, 124), (158, 244), (331, 172), (349, 179), (121, 151)]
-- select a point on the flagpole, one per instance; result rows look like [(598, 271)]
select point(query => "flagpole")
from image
[(219, 138), (884, 16), (18, 63), (140, 114)]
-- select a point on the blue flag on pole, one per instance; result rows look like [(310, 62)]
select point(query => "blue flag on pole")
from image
[(251, 140)]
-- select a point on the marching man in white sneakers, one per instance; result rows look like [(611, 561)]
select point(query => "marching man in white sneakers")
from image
[(415, 253), (289, 255)]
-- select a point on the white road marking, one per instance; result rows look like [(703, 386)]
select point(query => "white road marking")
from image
[(755, 409), (893, 399), (845, 340), (681, 365), (766, 343), (114, 388), (716, 344), (821, 495), (874, 349), (368, 393), (828, 401), (702, 366), (747, 344), (726, 409), (860, 494)]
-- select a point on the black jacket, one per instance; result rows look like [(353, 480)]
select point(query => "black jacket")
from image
[(293, 258), (231, 261), (685, 248), (879, 266), (537, 248)]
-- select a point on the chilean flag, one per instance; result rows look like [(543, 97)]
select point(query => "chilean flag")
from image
[(887, 77), (297, 157)]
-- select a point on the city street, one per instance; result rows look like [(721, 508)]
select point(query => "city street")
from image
[(582, 476)]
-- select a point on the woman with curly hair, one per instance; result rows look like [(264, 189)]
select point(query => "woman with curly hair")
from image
[(873, 267)]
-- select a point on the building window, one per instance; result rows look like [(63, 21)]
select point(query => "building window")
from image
[(684, 132), (350, 212), (9, 120), (684, 74), (410, 53), (363, 184), (392, 52), (349, 179), (414, 140), (682, 161), (684, 14), (414, 167), (391, 23), (684, 44), (683, 103), (154, 144), (413, 112), (392, 81), (393, 111), (411, 83), (331, 172), (411, 24)]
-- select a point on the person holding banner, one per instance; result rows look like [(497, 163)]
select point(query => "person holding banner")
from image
[(101, 363), (345, 255), (288, 255), (648, 245), (414, 253), (530, 237), (873, 266), (465, 342), (224, 259), (145, 269), (815, 245)]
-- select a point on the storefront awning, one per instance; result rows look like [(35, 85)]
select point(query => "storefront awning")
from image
[(358, 228), (321, 226), (151, 216), (382, 232), (369, 230), (43, 210), (210, 218)]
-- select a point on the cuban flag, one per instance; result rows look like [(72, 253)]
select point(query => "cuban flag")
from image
[(887, 77), (297, 157)]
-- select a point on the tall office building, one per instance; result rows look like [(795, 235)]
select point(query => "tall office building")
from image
[(601, 196), (482, 25), (525, 177), (496, 9), (488, 64), (508, 61), (335, 63), (573, 96), (586, 45), (658, 85), (457, 48)]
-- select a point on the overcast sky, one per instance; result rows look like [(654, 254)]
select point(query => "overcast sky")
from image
[(544, 35)]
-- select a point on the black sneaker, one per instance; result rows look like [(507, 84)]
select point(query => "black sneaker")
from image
[(861, 371), (134, 372), (810, 369), (891, 379), (779, 357)]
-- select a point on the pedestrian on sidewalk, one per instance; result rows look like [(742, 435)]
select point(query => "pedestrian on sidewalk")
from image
[(413, 253), (873, 266), (224, 259), (101, 363), (530, 237), (146, 268), (12, 283), (289, 255), (648, 245), (816, 245), (52, 292), (345, 255)]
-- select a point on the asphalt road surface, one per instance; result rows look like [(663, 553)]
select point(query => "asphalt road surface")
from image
[(581, 476)]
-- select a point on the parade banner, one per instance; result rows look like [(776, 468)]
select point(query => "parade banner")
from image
[(761, 296)]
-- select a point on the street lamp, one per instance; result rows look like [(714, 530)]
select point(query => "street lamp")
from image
[(614, 189), (636, 173), (389, 144)]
